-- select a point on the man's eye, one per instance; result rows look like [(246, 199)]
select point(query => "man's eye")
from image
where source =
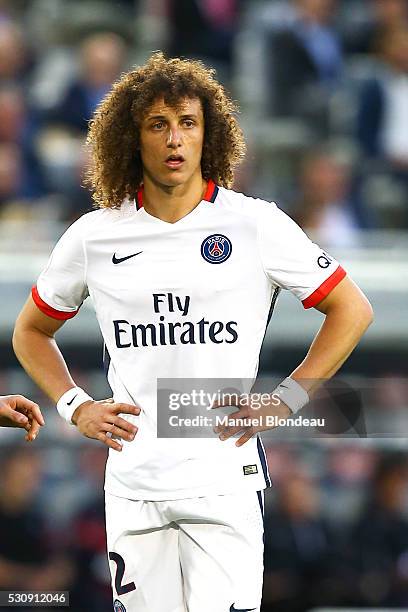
[(188, 123), (158, 126)]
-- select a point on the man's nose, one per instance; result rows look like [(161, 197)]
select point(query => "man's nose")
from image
[(174, 138)]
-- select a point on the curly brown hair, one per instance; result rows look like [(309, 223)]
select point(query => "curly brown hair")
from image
[(116, 170)]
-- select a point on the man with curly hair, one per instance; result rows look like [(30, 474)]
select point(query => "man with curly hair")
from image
[(183, 273)]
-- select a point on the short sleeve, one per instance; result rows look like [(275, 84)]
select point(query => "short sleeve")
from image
[(292, 261), (61, 287)]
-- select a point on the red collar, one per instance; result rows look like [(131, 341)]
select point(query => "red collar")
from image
[(211, 191), (209, 196)]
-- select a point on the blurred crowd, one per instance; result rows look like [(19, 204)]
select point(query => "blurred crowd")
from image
[(322, 85), (336, 526), (337, 535)]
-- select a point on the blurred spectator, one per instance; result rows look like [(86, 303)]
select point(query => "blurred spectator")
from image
[(12, 114), (306, 59), (89, 540), (64, 158), (101, 59), (13, 56), (382, 118), (27, 561), (382, 124), (10, 171), (380, 536), (323, 206), (204, 29), (384, 15), (299, 549), (18, 130)]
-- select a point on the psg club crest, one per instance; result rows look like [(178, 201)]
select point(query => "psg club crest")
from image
[(216, 248), (118, 606)]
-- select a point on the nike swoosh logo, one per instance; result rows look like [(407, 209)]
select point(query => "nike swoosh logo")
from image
[(70, 402), (234, 609), (118, 260)]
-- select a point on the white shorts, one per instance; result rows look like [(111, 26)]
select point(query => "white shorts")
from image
[(202, 554)]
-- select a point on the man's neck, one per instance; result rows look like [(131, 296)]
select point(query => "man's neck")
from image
[(171, 204)]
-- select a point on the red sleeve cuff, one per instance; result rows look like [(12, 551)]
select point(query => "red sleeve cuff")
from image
[(325, 288), (48, 310)]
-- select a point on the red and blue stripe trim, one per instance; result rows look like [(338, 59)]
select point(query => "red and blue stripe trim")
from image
[(210, 194)]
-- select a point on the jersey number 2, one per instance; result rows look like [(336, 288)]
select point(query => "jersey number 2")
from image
[(121, 589)]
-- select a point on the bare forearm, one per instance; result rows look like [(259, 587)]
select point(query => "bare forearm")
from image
[(37, 351), (42, 360), (333, 344), (348, 315)]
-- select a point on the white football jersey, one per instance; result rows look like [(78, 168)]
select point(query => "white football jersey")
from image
[(189, 299)]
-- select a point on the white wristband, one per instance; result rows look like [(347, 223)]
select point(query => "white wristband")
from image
[(69, 402), (292, 394)]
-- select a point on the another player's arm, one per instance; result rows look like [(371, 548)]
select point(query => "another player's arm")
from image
[(38, 353), (348, 315), (18, 411)]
